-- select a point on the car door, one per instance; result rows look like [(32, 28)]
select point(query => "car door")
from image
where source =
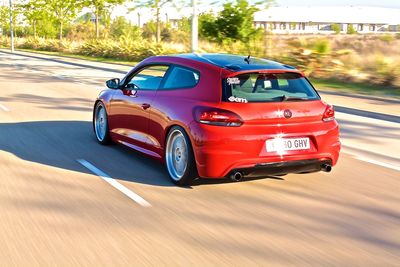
[(167, 104), (129, 110)]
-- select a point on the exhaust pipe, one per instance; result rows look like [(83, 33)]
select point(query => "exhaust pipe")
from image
[(326, 167), (236, 176)]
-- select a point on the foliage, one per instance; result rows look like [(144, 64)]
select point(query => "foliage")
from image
[(101, 8), (34, 11), (63, 11), (234, 23), (126, 49), (5, 23), (386, 71), (350, 29), (156, 5), (4, 16), (336, 28), (81, 31), (121, 27), (149, 30), (387, 38), (182, 33)]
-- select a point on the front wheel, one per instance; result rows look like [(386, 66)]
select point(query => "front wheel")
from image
[(100, 124), (179, 157)]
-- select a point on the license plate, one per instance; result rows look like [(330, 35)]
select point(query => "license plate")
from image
[(287, 144)]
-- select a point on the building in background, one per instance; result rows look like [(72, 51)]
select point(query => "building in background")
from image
[(320, 20)]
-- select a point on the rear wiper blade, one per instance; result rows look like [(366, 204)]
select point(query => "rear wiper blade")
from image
[(292, 98)]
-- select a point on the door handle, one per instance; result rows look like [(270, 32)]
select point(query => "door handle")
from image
[(145, 106)]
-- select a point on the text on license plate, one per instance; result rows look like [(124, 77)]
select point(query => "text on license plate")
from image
[(286, 144)]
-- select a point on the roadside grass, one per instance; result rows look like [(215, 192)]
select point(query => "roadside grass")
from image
[(357, 88), (90, 58)]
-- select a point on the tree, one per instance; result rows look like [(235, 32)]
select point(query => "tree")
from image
[(4, 17), (234, 23), (121, 27), (156, 5), (63, 11), (207, 28), (99, 7), (34, 11)]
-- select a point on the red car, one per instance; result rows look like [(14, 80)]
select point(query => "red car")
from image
[(219, 115)]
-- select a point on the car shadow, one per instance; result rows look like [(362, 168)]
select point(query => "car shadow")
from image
[(61, 143)]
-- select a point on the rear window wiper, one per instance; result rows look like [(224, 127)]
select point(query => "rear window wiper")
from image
[(292, 98)]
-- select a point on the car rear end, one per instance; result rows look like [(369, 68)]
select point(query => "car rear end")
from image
[(269, 122)]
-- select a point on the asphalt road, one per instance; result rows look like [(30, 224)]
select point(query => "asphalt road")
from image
[(54, 211)]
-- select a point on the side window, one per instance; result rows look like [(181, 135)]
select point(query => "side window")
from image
[(180, 77), (148, 78)]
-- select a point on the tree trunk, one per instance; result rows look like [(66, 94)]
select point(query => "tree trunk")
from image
[(61, 30), (97, 24), (158, 26), (34, 29)]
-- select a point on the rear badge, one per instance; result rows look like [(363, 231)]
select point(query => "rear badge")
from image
[(287, 113)]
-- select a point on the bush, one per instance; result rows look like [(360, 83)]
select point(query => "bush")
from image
[(121, 27), (81, 31), (350, 29), (385, 71), (4, 41), (126, 49), (336, 28), (387, 38)]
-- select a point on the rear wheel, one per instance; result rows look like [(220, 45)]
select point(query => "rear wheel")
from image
[(100, 124), (179, 157)]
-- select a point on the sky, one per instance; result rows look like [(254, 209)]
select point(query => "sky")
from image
[(380, 3)]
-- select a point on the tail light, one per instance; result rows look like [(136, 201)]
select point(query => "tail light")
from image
[(329, 113), (218, 117)]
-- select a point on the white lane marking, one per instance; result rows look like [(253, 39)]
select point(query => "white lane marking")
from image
[(138, 199), (59, 76), (377, 162), (80, 83), (4, 108)]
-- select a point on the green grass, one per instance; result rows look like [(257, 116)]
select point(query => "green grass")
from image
[(96, 59), (358, 88)]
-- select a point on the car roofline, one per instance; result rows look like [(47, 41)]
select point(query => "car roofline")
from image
[(233, 67), (275, 71)]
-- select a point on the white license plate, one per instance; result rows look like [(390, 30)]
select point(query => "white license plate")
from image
[(287, 144)]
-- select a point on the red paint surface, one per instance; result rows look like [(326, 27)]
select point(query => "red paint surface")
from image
[(143, 118)]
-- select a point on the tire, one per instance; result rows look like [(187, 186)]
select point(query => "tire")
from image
[(179, 157), (100, 124)]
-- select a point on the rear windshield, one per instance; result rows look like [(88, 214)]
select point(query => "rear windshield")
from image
[(267, 87)]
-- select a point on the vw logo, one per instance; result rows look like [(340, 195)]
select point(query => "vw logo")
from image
[(287, 113)]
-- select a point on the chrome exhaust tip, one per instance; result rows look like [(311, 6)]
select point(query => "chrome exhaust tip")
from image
[(236, 176)]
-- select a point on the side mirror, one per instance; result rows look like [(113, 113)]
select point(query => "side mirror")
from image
[(113, 83)]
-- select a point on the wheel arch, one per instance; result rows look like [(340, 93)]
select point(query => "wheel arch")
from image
[(186, 128)]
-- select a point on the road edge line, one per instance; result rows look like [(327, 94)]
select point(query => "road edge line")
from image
[(4, 107)]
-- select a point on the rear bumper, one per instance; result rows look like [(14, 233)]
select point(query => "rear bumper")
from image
[(221, 150), (280, 168)]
